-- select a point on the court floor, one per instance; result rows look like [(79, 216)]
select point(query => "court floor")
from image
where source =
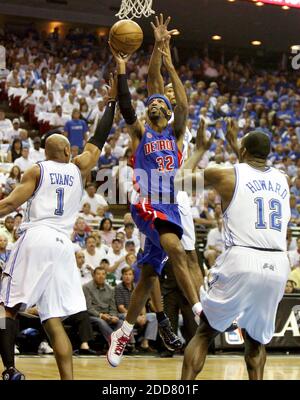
[(224, 367)]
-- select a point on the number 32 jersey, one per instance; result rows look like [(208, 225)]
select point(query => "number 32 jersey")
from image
[(57, 199), (156, 162), (259, 211)]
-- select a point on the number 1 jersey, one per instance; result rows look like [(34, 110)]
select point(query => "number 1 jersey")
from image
[(57, 199)]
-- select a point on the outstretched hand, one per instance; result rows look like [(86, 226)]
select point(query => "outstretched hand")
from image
[(202, 142), (160, 29), (232, 130), (112, 88), (166, 53), (119, 56)]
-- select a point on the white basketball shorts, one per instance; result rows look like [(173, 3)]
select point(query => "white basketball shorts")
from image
[(188, 238), (42, 271), (246, 285)]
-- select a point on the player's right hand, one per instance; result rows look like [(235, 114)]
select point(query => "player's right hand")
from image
[(160, 29)]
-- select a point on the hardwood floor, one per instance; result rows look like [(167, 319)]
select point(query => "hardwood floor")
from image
[(225, 367)]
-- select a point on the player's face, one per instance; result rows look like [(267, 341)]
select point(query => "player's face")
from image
[(154, 109), (170, 94)]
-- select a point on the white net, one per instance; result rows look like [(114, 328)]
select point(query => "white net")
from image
[(135, 9)]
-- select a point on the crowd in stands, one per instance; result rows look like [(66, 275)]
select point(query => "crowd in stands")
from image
[(60, 83)]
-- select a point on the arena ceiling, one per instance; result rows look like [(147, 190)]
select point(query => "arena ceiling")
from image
[(238, 22)]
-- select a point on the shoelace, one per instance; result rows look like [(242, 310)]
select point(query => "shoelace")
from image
[(166, 331), (121, 343)]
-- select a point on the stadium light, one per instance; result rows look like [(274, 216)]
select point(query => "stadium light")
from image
[(256, 42), (216, 37), (285, 7)]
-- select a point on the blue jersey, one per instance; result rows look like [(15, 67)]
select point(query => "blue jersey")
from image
[(156, 162)]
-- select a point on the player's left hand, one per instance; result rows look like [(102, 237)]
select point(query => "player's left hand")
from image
[(202, 142), (232, 130), (112, 92)]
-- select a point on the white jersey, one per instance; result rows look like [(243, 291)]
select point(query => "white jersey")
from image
[(259, 211), (57, 199)]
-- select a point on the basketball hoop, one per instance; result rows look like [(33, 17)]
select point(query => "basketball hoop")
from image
[(135, 9)]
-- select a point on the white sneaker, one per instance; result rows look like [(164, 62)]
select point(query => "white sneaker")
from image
[(118, 342), (16, 350), (44, 348)]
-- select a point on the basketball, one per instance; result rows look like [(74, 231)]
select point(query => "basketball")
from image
[(126, 36)]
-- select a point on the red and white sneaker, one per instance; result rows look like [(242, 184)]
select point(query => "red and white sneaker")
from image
[(118, 342)]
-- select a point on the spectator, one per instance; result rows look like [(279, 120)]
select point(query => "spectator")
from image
[(76, 130), (80, 232), (93, 198), (58, 119), (24, 162), (101, 304), (127, 219), (85, 270), (4, 252), (107, 161), (214, 245), (6, 127), (110, 278), (294, 255), (93, 255), (106, 231), (7, 229), (12, 180), (129, 235), (116, 257), (37, 154), (290, 287), (86, 213), (82, 324), (15, 151)]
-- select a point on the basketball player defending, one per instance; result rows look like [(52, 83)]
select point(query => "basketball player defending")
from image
[(42, 267), (248, 280), (157, 147)]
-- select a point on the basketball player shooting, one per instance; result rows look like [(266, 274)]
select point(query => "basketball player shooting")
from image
[(42, 267), (157, 146), (248, 280), (155, 84)]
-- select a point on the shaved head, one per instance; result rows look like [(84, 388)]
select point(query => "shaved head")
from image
[(57, 148)]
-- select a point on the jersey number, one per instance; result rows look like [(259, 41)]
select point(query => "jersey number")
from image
[(165, 163), (60, 201), (275, 215)]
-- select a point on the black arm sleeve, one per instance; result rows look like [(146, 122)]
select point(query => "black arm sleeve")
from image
[(124, 98), (104, 126)]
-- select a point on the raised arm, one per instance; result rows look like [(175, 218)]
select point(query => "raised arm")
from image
[(135, 127), (232, 134), (181, 109), (22, 192), (155, 82), (92, 150), (202, 145)]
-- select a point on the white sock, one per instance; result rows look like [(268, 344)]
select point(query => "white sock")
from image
[(197, 308), (127, 328)]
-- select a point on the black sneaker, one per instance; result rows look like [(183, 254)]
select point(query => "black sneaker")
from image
[(170, 340), (12, 374)]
